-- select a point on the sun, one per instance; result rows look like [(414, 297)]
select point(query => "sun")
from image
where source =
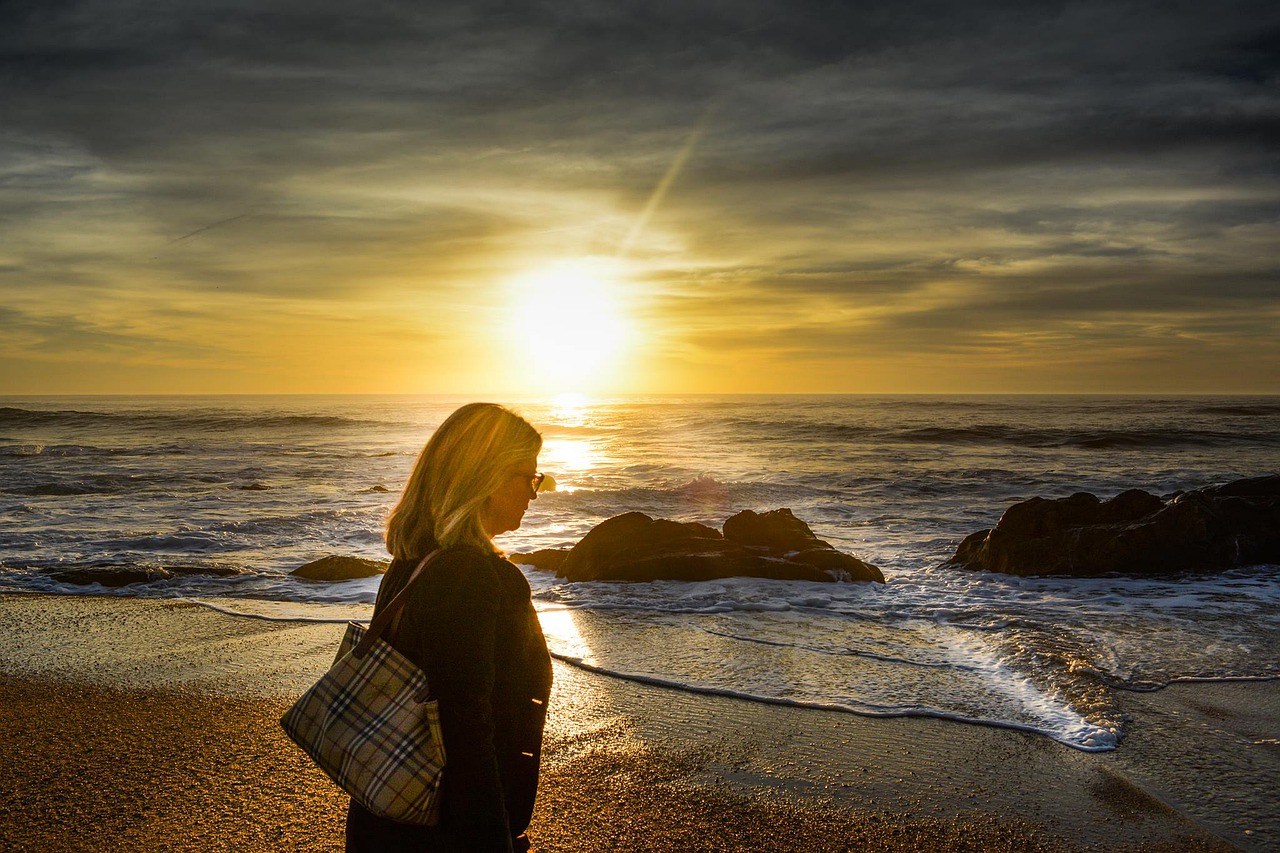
[(571, 319)]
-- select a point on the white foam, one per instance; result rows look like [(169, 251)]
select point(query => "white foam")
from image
[(1086, 739), (276, 611)]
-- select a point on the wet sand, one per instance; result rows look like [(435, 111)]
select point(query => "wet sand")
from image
[(138, 724)]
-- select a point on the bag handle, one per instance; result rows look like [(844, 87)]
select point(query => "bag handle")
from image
[(392, 610)]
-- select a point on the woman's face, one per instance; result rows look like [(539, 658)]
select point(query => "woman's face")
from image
[(506, 506)]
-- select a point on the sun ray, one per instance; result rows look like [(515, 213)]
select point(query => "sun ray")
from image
[(673, 171)]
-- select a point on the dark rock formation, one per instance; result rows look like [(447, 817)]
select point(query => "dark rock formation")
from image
[(780, 531), (334, 568), (254, 487), (1252, 487), (111, 576), (118, 574), (544, 559), (1237, 524), (635, 547)]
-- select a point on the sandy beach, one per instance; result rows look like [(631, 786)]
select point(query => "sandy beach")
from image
[(136, 724)]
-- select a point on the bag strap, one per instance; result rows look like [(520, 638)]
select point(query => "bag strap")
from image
[(389, 613)]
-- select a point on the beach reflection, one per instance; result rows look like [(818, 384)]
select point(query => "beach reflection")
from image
[(592, 717), (560, 627)]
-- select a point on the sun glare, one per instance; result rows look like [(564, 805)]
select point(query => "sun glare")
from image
[(571, 459), (561, 628), (570, 317)]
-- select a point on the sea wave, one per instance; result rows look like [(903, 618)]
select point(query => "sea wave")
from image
[(1094, 439), (99, 484), (1080, 736), (31, 449), (12, 416), (800, 432), (690, 500), (355, 522), (577, 430), (899, 482), (1259, 410), (182, 541)]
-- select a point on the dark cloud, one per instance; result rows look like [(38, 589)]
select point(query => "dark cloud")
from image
[(67, 337), (1037, 161)]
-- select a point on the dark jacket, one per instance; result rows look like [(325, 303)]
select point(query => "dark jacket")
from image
[(470, 624)]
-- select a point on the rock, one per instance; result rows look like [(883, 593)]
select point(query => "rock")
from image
[(544, 559), (1043, 517), (335, 568), (254, 487), (111, 576), (778, 529), (114, 574), (1250, 487), (1218, 527), (843, 566), (635, 547)]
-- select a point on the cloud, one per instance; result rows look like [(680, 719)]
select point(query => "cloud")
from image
[(994, 169), (67, 337)]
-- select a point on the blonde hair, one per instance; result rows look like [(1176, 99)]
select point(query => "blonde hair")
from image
[(468, 458)]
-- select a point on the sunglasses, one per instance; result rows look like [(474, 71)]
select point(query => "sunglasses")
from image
[(542, 483)]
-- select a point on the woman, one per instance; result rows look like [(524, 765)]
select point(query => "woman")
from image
[(470, 624)]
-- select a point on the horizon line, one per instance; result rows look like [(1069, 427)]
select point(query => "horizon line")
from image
[(553, 395)]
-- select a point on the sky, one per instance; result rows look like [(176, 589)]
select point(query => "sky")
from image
[(595, 196)]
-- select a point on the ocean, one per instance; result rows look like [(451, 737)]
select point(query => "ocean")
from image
[(237, 491)]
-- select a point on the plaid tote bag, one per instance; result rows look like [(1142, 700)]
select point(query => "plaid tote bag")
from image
[(369, 722)]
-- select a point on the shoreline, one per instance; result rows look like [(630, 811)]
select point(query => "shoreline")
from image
[(153, 723)]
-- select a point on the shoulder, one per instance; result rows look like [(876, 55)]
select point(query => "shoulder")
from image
[(476, 572), (465, 571), (512, 577), (461, 560)]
